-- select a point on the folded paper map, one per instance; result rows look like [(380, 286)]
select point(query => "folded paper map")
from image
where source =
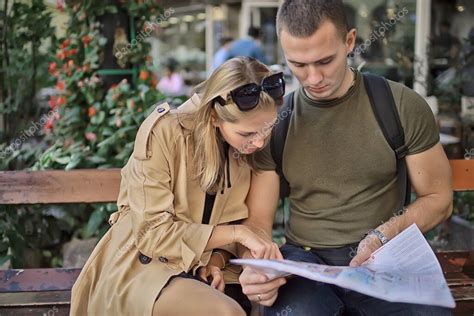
[(403, 270)]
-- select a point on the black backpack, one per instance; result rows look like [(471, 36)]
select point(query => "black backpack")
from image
[(383, 105)]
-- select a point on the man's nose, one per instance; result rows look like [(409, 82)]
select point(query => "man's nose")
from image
[(315, 76)]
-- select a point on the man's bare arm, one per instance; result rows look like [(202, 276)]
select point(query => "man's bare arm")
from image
[(430, 176)]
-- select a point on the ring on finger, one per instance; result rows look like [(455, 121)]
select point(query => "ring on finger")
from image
[(258, 297)]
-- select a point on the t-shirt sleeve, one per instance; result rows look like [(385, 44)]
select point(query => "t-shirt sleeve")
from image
[(418, 121), (264, 160)]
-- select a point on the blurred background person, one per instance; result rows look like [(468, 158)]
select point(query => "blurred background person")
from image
[(172, 83), (249, 46), (222, 53)]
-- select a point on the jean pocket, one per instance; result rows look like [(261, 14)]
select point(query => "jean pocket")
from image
[(296, 253)]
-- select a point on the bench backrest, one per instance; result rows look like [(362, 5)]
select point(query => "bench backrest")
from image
[(58, 186), (463, 174), (102, 185)]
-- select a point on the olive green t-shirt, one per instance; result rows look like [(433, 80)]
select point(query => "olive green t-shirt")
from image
[(341, 170)]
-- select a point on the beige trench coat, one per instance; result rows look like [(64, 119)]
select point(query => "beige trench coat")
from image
[(160, 212)]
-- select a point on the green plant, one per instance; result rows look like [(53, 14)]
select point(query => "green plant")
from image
[(31, 235), (91, 126), (464, 205), (26, 42), (95, 127)]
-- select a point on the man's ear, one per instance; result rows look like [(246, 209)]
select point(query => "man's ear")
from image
[(350, 40)]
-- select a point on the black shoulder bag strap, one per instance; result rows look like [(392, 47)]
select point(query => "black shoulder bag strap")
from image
[(386, 113), (277, 143)]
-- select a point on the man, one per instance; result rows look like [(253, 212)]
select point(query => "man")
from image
[(249, 46), (342, 172)]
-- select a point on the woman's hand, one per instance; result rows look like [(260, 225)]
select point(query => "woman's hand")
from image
[(216, 275), (260, 245)]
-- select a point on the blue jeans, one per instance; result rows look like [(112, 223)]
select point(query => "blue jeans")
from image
[(304, 297)]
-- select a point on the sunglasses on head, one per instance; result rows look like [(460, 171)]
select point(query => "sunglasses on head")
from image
[(246, 97)]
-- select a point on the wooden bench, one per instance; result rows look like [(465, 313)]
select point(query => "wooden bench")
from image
[(48, 291)]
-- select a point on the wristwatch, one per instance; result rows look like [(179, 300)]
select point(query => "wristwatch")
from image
[(379, 235)]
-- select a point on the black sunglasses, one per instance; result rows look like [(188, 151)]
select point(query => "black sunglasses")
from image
[(246, 97)]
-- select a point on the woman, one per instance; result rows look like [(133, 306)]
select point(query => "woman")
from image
[(182, 194)]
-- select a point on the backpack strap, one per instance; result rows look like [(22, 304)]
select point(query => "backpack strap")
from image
[(386, 113), (277, 142)]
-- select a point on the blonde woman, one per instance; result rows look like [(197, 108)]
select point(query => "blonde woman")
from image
[(181, 198)]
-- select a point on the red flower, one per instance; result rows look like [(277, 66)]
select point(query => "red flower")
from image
[(61, 100), (91, 111), (73, 51), (91, 136), (65, 44), (52, 67), (60, 56), (154, 81), (144, 75), (60, 5), (60, 85), (49, 124), (53, 102), (118, 122), (86, 40)]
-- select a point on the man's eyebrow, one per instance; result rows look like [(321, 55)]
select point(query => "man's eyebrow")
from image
[(313, 62)]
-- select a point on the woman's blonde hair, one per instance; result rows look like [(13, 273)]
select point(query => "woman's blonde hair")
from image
[(209, 148)]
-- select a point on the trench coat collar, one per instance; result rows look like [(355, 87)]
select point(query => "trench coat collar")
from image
[(188, 107)]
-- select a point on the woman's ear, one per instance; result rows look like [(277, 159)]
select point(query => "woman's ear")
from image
[(214, 119)]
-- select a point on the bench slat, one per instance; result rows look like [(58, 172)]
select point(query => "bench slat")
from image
[(59, 310), (463, 174), (29, 280), (59, 186), (48, 298)]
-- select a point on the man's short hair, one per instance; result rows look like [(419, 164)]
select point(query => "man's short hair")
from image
[(301, 18), (253, 32), (224, 40)]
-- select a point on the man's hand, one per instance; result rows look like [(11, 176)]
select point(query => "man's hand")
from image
[(365, 249), (257, 287)]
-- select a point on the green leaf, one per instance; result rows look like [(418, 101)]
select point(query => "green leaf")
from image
[(4, 247), (75, 160), (94, 222), (63, 160), (96, 159), (108, 141), (107, 131), (111, 207), (4, 259)]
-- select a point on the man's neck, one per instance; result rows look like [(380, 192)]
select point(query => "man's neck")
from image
[(348, 82)]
